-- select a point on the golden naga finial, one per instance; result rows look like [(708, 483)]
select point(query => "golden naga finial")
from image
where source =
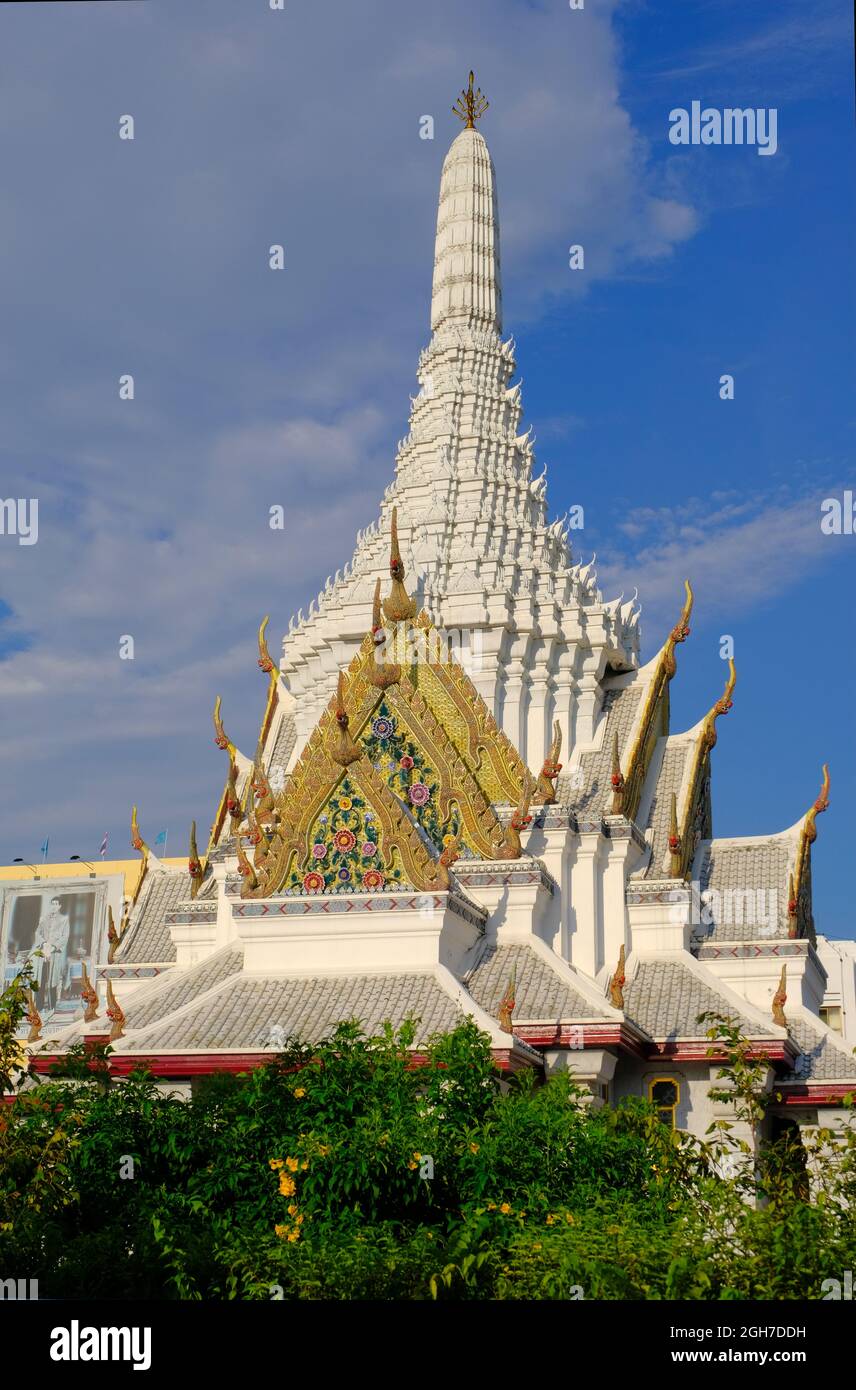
[(617, 778), (343, 750), (617, 983), (511, 848), (266, 662), (471, 105), (381, 674), (89, 995), (546, 789), (793, 909), (136, 838), (265, 807), (194, 865), (722, 706), (221, 738), (115, 1013), (245, 868), (233, 800), (507, 1002), (113, 937), (820, 805), (675, 841), (33, 1017), (399, 606), (780, 999), (681, 631)]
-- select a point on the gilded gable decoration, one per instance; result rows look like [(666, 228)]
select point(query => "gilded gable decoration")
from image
[(802, 918), (694, 824)]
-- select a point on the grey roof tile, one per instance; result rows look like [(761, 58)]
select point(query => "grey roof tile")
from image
[(665, 998), (182, 988), (669, 780), (241, 1015), (148, 938), (821, 1059), (619, 710), (540, 993), (748, 883)]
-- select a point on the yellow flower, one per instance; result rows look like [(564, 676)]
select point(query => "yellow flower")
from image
[(304, 1165), (417, 1156), (550, 1220), (537, 1245), (292, 1164), (345, 803), (505, 1208), (299, 1220), (280, 1231), (569, 1218), (275, 1162), (474, 1148), (299, 1093), (292, 1210), (293, 1236), (286, 1185), (448, 839), (491, 1206), (411, 1165)]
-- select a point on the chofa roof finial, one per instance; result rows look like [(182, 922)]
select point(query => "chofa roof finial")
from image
[(399, 606), (343, 750)]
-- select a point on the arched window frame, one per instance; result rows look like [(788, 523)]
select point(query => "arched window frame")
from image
[(664, 1110)]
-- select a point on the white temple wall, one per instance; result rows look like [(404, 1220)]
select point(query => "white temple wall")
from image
[(757, 979)]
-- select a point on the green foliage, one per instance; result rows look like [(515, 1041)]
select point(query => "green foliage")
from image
[(343, 1171)]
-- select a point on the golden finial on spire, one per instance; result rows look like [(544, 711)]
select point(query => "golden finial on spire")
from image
[(343, 749), (471, 105), (265, 659), (617, 983), (399, 605), (722, 706), (780, 999)]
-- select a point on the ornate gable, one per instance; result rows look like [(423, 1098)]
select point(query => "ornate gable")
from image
[(398, 778)]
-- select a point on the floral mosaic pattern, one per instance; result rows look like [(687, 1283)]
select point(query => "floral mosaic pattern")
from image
[(410, 776), (346, 854)]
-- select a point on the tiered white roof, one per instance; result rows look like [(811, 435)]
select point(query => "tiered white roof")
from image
[(531, 625)]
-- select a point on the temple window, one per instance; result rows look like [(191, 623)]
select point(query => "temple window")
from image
[(665, 1093)]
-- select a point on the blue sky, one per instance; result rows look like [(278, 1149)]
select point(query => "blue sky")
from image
[(253, 388)]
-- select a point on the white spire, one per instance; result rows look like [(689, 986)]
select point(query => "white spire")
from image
[(467, 289)]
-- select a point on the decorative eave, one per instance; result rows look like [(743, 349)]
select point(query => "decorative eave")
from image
[(654, 717), (814, 1094)]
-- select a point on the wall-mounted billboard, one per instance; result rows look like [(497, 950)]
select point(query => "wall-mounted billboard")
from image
[(59, 927)]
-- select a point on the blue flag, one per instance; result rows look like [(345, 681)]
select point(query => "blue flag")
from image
[(160, 839), (44, 849)]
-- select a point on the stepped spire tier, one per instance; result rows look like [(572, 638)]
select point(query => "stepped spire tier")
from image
[(482, 558)]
